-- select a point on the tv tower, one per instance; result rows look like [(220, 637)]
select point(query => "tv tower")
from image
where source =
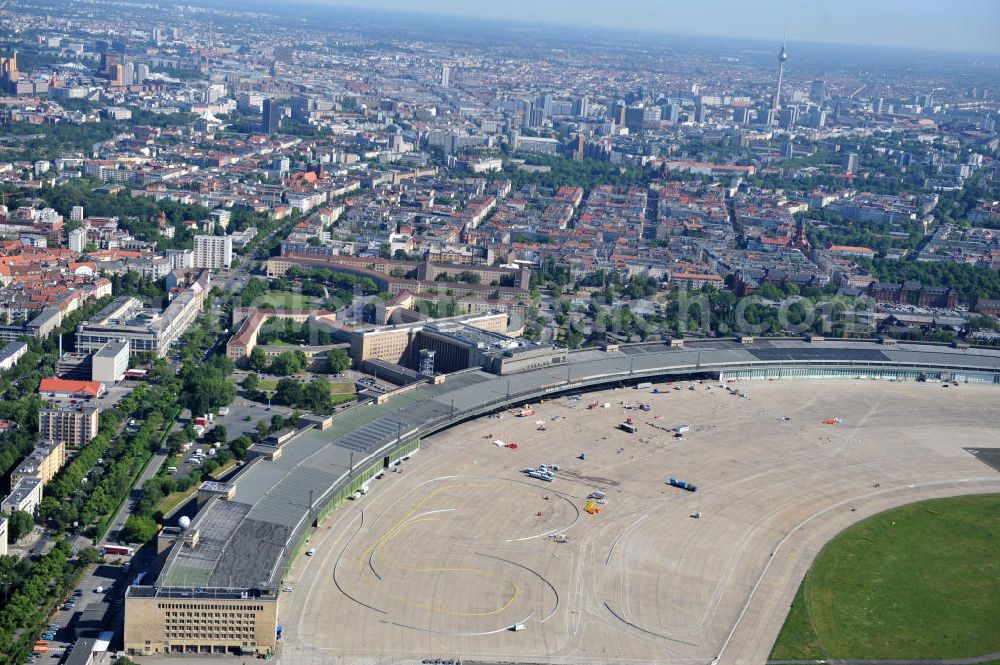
[(782, 56)]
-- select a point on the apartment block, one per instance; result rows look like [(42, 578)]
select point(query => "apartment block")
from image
[(43, 462), (213, 252), (71, 424)]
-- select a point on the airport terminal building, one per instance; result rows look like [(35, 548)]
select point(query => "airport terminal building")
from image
[(218, 589)]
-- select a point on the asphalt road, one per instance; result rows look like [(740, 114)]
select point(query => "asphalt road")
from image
[(129, 505)]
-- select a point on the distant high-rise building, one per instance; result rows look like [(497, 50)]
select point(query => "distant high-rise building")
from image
[(782, 57), (445, 76), (395, 142), (283, 53), (78, 239), (673, 114), (787, 151), (634, 118), (904, 159), (117, 74), (141, 73), (128, 73), (302, 107), (272, 116), (850, 163), (581, 107), (700, 113), (878, 105), (8, 70), (108, 62), (618, 113), (789, 117), (526, 106), (76, 214), (157, 35), (536, 117), (817, 118), (817, 92), (741, 115), (213, 252), (545, 103)]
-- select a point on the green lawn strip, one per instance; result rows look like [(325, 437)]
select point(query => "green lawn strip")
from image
[(341, 398), (282, 300), (170, 502), (341, 388), (921, 581), (222, 470)]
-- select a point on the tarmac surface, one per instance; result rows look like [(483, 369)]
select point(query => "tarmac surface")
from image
[(440, 560)]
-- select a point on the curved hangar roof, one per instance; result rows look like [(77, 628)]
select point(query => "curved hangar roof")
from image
[(245, 540)]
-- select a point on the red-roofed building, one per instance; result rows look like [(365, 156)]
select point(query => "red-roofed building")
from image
[(67, 388)]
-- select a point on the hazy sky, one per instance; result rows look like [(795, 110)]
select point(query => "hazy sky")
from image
[(965, 25)]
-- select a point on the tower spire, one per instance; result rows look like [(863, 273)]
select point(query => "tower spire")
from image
[(782, 56)]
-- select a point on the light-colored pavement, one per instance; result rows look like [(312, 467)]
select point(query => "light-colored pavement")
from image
[(454, 549)]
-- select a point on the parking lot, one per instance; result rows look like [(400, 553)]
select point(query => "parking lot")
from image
[(86, 609), (236, 422)]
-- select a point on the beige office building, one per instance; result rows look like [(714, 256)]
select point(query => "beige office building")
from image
[(192, 621)]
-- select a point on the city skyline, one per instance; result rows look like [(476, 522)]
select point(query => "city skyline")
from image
[(969, 26)]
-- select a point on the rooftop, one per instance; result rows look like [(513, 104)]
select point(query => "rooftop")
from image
[(112, 349), (69, 387)]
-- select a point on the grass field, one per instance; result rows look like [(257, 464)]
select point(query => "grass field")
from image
[(921, 581), (282, 300)]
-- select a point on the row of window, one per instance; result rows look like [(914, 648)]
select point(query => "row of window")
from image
[(851, 373), (236, 622), (231, 615), (203, 606), (209, 636)]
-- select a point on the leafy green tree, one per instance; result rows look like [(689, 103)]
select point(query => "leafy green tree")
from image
[(89, 555), (289, 392), (289, 362), (251, 382), (769, 291), (19, 524), (13, 571), (339, 360), (138, 529), (257, 361)]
